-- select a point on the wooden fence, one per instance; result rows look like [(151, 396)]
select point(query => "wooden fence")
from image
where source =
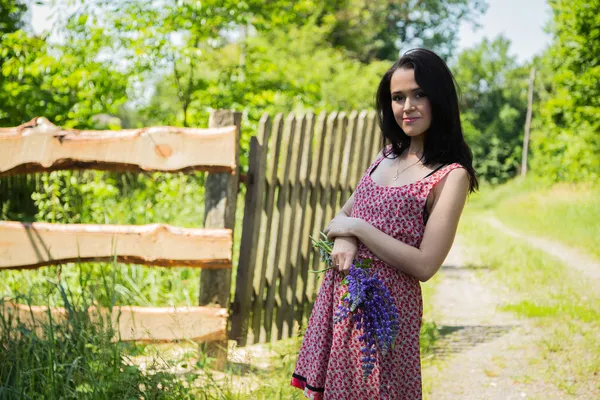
[(41, 146), (302, 169)]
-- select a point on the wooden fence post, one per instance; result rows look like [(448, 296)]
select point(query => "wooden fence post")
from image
[(221, 190), (253, 210), (219, 212)]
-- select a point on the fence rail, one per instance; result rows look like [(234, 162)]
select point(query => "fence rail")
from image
[(33, 245), (140, 324), (40, 146)]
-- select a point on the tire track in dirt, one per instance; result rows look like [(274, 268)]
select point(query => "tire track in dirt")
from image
[(571, 257)]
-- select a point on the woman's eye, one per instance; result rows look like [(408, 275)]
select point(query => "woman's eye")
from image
[(398, 98), (420, 94)]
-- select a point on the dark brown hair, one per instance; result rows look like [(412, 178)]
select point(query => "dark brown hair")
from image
[(444, 142)]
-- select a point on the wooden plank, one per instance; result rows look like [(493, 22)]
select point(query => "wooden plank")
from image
[(279, 255), (285, 313), (139, 324), (336, 167), (221, 190), (359, 154), (40, 145), (325, 189), (32, 245), (367, 147), (269, 235), (255, 188), (302, 240), (314, 169), (377, 139), (220, 201), (349, 159), (264, 136)]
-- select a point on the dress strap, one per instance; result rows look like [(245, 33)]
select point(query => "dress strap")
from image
[(439, 174), (435, 170), (374, 164)]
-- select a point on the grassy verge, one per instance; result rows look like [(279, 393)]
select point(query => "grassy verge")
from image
[(429, 329), (564, 212), (80, 357)]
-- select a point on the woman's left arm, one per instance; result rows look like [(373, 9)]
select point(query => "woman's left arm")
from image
[(425, 261)]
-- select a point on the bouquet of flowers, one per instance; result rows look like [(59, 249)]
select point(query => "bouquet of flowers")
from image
[(368, 302)]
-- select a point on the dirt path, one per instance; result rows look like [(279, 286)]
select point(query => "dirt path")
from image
[(483, 352), (571, 257)]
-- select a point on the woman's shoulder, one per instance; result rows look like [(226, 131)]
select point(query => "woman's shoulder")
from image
[(455, 177), (452, 174), (453, 169), (457, 165)]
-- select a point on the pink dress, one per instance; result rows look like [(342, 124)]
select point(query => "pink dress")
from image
[(329, 362)]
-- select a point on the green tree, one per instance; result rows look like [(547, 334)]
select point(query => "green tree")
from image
[(182, 39), (493, 103), (11, 15), (376, 29), (66, 82), (566, 133), (380, 29)]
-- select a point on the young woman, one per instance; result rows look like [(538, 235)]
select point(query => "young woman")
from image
[(403, 215)]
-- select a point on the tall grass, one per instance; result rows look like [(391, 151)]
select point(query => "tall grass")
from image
[(77, 357)]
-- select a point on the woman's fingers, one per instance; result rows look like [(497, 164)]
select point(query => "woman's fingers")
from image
[(346, 265), (343, 263), (334, 261)]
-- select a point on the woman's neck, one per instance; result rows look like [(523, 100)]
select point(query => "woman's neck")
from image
[(416, 147)]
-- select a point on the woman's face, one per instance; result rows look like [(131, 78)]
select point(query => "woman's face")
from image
[(411, 106)]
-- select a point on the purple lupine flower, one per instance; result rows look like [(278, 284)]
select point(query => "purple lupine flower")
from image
[(369, 303), (373, 311)]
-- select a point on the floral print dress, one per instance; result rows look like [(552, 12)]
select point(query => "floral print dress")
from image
[(329, 362)]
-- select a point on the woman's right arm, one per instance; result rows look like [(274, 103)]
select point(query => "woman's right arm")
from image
[(347, 208)]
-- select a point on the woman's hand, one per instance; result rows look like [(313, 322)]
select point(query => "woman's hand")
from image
[(344, 252), (341, 225)]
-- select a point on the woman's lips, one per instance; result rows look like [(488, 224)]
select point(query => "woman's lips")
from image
[(409, 120)]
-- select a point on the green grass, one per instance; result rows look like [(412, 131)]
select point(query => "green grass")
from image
[(429, 329), (76, 358), (564, 212), (80, 358)]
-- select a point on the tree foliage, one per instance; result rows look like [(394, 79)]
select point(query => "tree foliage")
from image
[(11, 15), (566, 136), (493, 103), (286, 56), (67, 83)]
